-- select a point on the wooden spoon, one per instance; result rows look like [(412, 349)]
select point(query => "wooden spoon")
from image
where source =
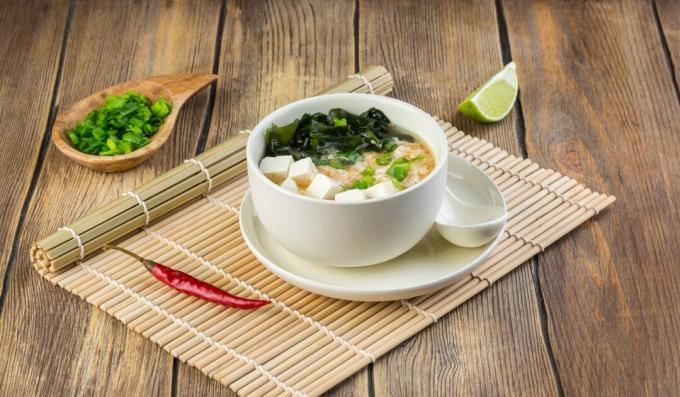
[(175, 88)]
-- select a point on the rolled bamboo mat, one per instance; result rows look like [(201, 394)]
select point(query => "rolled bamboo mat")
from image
[(170, 190), (303, 343)]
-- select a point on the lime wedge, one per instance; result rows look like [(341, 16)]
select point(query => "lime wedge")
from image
[(492, 101)]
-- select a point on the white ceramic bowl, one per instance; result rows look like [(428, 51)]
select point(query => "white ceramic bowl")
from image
[(349, 234)]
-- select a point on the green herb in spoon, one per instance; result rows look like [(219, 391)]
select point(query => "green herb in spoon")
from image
[(124, 124)]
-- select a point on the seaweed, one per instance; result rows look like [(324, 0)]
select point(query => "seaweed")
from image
[(337, 138)]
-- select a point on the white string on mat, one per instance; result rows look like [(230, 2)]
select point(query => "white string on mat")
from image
[(282, 306), (75, 237), (482, 279), (365, 80), (418, 310), (212, 342), (214, 201), (525, 240), (141, 204), (205, 171)]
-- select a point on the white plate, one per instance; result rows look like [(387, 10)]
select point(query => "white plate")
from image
[(431, 265)]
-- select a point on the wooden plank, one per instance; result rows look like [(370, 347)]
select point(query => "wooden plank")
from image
[(29, 59), (54, 343), (669, 18), (192, 382), (437, 62), (274, 52), (493, 344), (600, 105)]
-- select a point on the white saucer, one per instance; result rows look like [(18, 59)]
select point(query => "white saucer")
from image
[(429, 266)]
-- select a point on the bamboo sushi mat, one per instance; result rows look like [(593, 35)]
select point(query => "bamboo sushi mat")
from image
[(303, 343)]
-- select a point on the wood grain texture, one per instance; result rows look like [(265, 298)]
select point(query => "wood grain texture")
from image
[(192, 382), (275, 52), (600, 106), (669, 18), (52, 340), (29, 59), (492, 344), (453, 49)]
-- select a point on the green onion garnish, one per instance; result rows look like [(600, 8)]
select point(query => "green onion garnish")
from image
[(368, 171), (384, 159), (124, 124), (400, 168), (398, 172), (364, 183), (389, 145)]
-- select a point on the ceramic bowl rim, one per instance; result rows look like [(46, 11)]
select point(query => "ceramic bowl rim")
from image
[(261, 127)]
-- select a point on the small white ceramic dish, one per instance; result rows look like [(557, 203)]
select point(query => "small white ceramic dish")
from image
[(349, 234), (473, 211), (431, 265)]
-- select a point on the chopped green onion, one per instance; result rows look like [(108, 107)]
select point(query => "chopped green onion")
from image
[(336, 163), (359, 185), (111, 144), (339, 122), (368, 171), (398, 172), (389, 145), (124, 146), (122, 125), (349, 157), (364, 183), (400, 168), (131, 137), (73, 137), (384, 159), (397, 184), (161, 108)]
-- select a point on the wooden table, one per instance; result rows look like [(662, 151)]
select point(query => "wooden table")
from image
[(598, 313)]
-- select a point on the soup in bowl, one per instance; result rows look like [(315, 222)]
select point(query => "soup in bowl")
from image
[(347, 179)]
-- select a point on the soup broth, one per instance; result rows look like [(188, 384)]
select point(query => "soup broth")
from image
[(418, 169)]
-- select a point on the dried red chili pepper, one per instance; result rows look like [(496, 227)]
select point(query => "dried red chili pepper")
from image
[(190, 285)]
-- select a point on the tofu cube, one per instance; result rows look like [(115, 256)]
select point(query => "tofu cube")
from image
[(302, 171), (276, 168), (323, 187), (289, 184), (382, 189), (351, 195)]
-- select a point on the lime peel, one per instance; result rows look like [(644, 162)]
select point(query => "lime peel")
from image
[(494, 100)]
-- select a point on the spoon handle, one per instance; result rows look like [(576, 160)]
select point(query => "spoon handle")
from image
[(183, 86)]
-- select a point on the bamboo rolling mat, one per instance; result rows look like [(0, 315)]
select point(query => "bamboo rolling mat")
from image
[(304, 344), (169, 190)]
